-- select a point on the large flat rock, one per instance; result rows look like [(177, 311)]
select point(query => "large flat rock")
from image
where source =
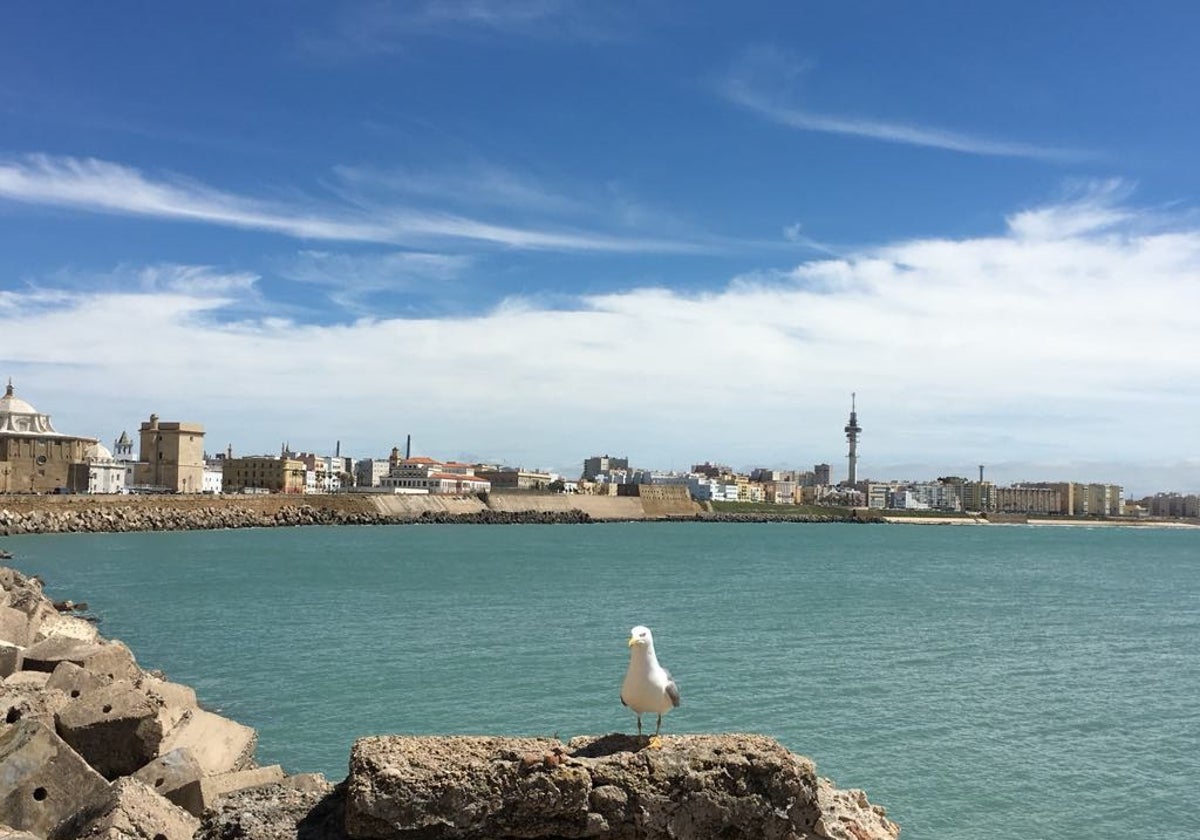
[(695, 787)]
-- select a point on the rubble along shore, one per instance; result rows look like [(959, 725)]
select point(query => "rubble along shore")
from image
[(58, 515), (93, 746)]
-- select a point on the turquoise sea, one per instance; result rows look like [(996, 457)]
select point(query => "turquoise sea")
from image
[(981, 682)]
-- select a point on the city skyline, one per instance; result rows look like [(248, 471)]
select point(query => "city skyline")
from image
[(531, 231)]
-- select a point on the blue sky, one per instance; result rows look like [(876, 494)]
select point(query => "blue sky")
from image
[(535, 231)]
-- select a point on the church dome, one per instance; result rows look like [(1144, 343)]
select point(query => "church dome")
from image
[(20, 417), (97, 452), (12, 404)]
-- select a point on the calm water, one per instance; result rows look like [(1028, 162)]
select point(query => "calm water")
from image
[(998, 682)]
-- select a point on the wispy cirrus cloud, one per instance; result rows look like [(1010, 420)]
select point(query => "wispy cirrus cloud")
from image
[(760, 82), (385, 26), (98, 186)]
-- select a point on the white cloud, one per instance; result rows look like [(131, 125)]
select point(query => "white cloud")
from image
[(104, 187), (755, 81), (1080, 344)]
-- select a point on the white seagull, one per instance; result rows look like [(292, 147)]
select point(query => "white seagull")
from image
[(648, 686)]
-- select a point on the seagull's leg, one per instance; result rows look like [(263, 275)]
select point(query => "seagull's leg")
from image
[(656, 741), (639, 717)]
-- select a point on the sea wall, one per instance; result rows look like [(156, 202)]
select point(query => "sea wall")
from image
[(27, 514), (94, 746)]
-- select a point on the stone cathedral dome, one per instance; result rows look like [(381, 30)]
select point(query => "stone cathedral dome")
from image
[(19, 417)]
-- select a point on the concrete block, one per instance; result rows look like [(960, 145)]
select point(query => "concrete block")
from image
[(131, 810), (19, 703), (174, 700), (170, 772), (55, 626), (74, 681), (111, 660), (27, 679), (47, 653), (8, 833), (219, 744), (115, 728), (16, 627), (198, 796), (11, 657), (45, 781)]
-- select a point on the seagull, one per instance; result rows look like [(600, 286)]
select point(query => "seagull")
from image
[(648, 686)]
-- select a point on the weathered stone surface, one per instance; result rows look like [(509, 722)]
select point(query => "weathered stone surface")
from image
[(48, 653), (11, 658), (74, 681), (27, 679), (9, 833), (55, 626), (174, 700), (113, 660), (44, 781), (16, 627), (697, 786), (115, 728), (23, 702), (847, 815), (276, 812), (131, 810), (200, 795), (170, 772), (220, 745)]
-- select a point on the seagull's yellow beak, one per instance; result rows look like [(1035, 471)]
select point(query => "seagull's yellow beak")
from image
[(632, 641)]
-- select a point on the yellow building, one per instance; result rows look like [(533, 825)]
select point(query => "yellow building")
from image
[(171, 457), (34, 458), (262, 473)]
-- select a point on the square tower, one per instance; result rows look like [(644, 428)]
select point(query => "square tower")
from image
[(171, 457)]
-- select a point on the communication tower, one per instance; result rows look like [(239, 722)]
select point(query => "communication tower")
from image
[(853, 430)]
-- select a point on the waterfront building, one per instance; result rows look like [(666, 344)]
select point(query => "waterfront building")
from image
[(1024, 499), (262, 473), (34, 458), (368, 472), (214, 478), (100, 473), (507, 478), (821, 475), (423, 474), (1172, 505), (597, 464), (170, 457)]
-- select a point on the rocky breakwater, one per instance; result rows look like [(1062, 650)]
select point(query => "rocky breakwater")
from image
[(93, 746), (111, 518), (116, 518)]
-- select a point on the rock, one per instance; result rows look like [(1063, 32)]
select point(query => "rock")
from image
[(173, 700), (45, 781), (11, 659), (115, 728), (170, 772), (9, 833), (74, 681), (276, 812), (219, 744), (696, 787), (29, 702), (847, 815), (17, 627), (198, 796), (131, 810)]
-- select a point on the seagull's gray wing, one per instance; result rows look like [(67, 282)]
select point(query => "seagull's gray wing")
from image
[(672, 691)]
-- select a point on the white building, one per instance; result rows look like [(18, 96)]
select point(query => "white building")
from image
[(105, 473), (449, 478), (213, 481)]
